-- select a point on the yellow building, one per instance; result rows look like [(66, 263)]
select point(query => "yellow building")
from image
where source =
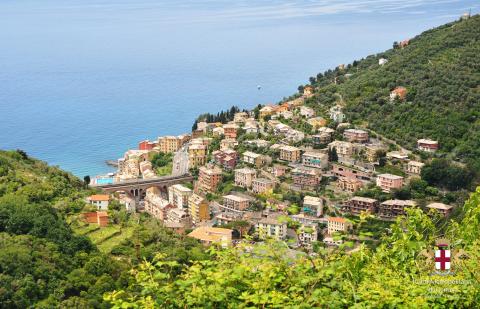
[(197, 155), (289, 153), (170, 144), (208, 235), (198, 208)]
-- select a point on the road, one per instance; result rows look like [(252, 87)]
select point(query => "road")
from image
[(180, 161)]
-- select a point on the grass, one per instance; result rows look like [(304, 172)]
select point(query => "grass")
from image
[(105, 238), (165, 170)]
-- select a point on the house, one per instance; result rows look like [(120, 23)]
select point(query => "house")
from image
[(228, 143), (258, 142), (197, 155), (226, 158), (255, 159), (349, 184), (294, 135), (308, 90), (397, 155), (414, 167), (208, 178), (240, 117), (306, 111), (289, 153), (317, 122), (251, 128), (342, 171), (321, 139), (398, 93), (230, 130), (392, 208), (212, 235), (235, 202), (286, 114), (218, 131), (267, 110), (427, 145), (307, 234), (443, 209), (100, 201), (98, 217), (356, 136), (306, 178), (336, 114), (146, 145), (382, 61), (198, 208), (244, 177), (261, 185), (357, 205), (279, 170), (338, 224), (315, 159), (312, 206), (388, 182), (178, 195), (404, 43), (271, 227), (342, 148)]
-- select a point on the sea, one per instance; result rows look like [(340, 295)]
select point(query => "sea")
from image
[(82, 81)]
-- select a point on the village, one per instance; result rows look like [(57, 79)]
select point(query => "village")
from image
[(286, 171)]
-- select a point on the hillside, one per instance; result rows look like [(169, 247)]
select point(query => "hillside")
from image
[(440, 69), (48, 258)]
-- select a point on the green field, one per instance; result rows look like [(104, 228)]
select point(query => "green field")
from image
[(105, 238)]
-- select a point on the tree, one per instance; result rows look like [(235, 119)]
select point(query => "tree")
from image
[(86, 180), (332, 154)]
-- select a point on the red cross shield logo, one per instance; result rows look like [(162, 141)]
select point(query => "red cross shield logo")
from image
[(442, 257)]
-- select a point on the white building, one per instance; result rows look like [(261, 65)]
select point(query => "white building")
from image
[(178, 195)]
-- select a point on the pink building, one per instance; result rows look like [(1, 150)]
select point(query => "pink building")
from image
[(341, 171), (388, 182)]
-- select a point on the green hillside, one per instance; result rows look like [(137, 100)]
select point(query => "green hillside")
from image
[(440, 69)]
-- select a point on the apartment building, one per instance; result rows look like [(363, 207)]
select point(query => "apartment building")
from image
[(236, 203), (198, 208), (197, 155), (289, 153), (261, 185), (315, 159), (338, 224), (208, 178), (356, 136), (349, 184), (244, 177), (343, 148), (392, 208), (230, 130), (178, 195), (171, 144), (389, 182), (270, 227), (306, 178), (312, 206), (443, 209), (357, 205)]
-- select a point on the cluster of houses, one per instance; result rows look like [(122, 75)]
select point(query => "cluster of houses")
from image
[(285, 164)]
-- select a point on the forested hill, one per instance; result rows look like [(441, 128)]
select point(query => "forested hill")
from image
[(440, 69)]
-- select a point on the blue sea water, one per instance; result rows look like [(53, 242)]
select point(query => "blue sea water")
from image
[(81, 81)]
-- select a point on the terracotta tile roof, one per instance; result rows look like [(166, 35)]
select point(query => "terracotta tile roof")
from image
[(99, 197)]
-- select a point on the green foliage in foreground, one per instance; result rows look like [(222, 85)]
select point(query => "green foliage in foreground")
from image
[(45, 264), (269, 275)]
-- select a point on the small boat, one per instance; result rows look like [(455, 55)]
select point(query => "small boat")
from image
[(259, 87)]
